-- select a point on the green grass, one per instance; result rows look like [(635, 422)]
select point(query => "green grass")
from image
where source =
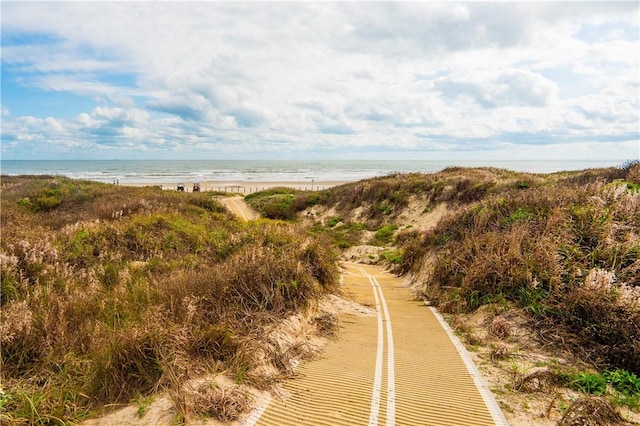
[(619, 386), (392, 256), (384, 234)]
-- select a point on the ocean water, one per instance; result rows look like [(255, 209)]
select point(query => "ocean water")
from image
[(188, 171)]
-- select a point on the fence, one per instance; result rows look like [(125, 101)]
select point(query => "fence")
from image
[(250, 189)]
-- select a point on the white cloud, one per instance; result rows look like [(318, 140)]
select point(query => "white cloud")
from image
[(306, 76), (509, 87)]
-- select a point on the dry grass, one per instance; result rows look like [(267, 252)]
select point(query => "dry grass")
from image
[(500, 351), (565, 248), (222, 403), (110, 292), (537, 381), (591, 411), (500, 328)]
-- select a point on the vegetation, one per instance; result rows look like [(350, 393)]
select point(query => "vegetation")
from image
[(563, 248), (343, 234), (111, 293), (566, 249), (283, 203)]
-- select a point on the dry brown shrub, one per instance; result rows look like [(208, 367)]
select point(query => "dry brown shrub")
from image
[(474, 339), (460, 325), (327, 325), (500, 351), (633, 171), (223, 403), (537, 381), (500, 327), (591, 411)]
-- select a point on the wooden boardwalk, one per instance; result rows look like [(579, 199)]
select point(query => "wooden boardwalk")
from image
[(398, 367)]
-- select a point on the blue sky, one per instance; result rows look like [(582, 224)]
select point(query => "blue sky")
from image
[(389, 80)]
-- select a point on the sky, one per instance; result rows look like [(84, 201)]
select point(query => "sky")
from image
[(320, 80)]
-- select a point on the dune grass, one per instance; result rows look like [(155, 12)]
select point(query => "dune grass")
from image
[(566, 250), (112, 293)]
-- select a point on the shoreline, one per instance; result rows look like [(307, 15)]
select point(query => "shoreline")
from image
[(245, 186)]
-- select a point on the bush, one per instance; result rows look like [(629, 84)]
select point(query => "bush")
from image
[(333, 221), (277, 203), (394, 257), (384, 234), (566, 252), (591, 383), (120, 292)]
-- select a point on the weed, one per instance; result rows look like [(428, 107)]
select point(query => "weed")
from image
[(520, 215), (500, 327), (333, 221), (500, 351), (143, 403), (622, 400), (327, 325), (537, 381), (592, 411), (623, 381), (240, 375), (588, 382), (385, 208), (384, 234), (393, 256), (224, 404)]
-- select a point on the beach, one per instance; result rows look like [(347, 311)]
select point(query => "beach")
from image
[(252, 175)]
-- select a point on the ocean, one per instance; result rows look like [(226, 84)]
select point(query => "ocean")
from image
[(187, 171)]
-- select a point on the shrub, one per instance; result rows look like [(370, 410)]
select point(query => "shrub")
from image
[(99, 308), (589, 382), (566, 252), (274, 206), (333, 221), (384, 234), (394, 257)]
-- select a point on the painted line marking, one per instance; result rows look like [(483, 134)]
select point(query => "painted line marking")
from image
[(257, 413), (391, 382), (488, 398), (377, 382), (391, 373)]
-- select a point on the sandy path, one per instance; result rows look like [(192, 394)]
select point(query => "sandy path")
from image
[(399, 366), (239, 208)]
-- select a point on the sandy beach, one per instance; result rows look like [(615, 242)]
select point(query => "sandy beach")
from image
[(247, 186)]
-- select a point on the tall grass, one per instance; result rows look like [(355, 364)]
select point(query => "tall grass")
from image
[(110, 292), (568, 252)]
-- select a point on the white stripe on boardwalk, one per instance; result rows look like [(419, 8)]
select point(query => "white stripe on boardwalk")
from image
[(391, 382), (377, 382), (481, 384)]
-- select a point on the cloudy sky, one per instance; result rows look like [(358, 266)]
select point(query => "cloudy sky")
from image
[(420, 80)]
